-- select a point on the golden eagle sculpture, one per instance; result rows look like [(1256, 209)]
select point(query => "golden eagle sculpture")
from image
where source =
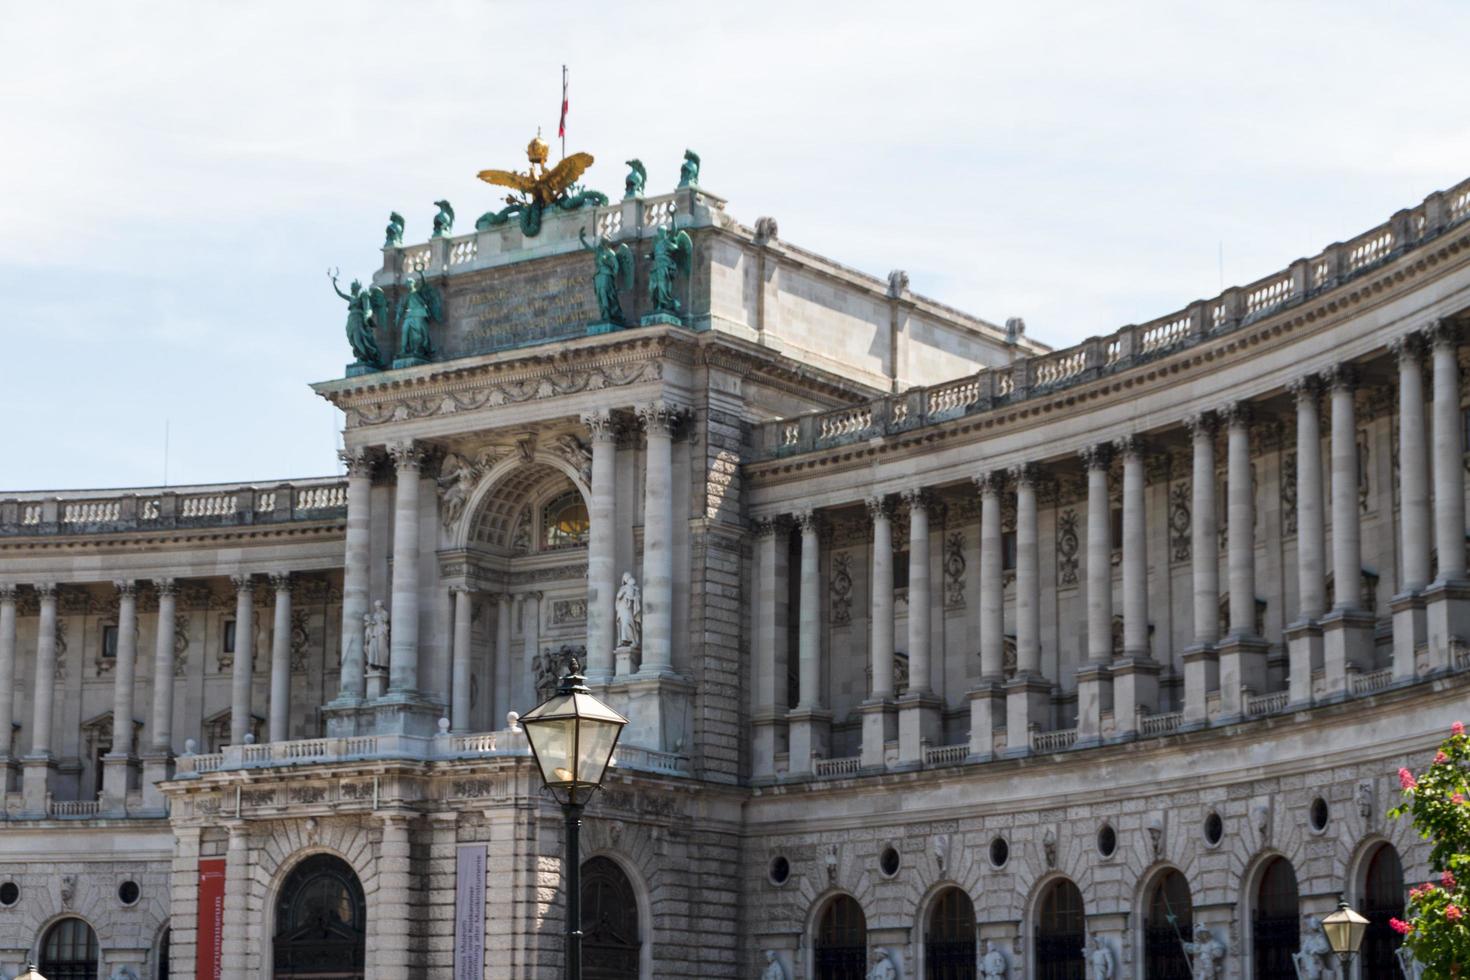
[(540, 187)]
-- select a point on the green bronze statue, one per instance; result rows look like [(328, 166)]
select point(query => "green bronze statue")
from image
[(394, 234), (444, 220), (672, 255), (419, 306), (633, 183), (366, 308), (689, 172), (612, 271)]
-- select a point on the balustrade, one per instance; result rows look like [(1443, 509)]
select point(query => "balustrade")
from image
[(1056, 741)]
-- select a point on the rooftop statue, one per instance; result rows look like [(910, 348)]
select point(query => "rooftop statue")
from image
[(637, 177), (539, 188), (612, 271), (689, 172), (444, 220), (419, 306), (366, 309), (672, 254), (394, 232)]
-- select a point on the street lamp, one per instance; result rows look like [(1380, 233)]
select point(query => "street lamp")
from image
[(1344, 930), (572, 736)]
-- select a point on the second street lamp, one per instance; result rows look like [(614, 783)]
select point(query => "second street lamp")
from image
[(1344, 929), (572, 736)]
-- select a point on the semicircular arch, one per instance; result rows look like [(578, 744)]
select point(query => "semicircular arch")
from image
[(511, 477)]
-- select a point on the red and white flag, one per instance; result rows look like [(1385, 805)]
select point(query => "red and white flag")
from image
[(561, 127)]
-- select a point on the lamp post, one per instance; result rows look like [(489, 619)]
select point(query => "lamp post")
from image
[(1344, 929), (572, 736)]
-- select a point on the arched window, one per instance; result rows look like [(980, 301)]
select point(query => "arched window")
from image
[(1060, 933), (564, 522), (321, 922), (949, 943), (69, 951), (1275, 925), (1383, 898), (1168, 918), (842, 941), (611, 947)]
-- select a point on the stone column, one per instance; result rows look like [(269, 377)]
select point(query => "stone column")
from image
[(7, 683), (1447, 600), (919, 719), (1304, 635), (1028, 693), (235, 941), (1243, 653), (1136, 673), (810, 722), (602, 575), (355, 584), (388, 949), (1410, 627), (459, 712), (1094, 680), (1201, 660), (280, 709), (157, 761), (658, 540), (531, 637), (242, 673), (769, 721), (877, 710), (503, 663), (987, 697), (118, 763), (40, 765), (403, 620), (1347, 630)]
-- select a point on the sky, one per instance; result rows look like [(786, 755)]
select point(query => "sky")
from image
[(176, 178)]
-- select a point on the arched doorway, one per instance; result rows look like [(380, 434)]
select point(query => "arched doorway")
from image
[(841, 951), (69, 951), (611, 945), (321, 922), (1275, 923), (1168, 917), (949, 939), (1383, 899), (163, 944), (1060, 933)]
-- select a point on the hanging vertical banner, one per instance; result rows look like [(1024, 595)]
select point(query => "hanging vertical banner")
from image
[(207, 961), (469, 912)]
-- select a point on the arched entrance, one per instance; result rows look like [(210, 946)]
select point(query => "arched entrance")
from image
[(321, 922), (949, 939), (841, 949), (1060, 933), (69, 951), (1167, 918), (611, 943), (1383, 899), (1275, 923)]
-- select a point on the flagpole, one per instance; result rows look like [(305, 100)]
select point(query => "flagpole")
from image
[(563, 126)]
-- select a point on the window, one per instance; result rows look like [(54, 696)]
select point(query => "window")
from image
[(780, 870), (888, 862), (1214, 829), (1000, 852), (128, 893), (1060, 934), (9, 893), (564, 522), (611, 945), (109, 642), (1318, 814), (1169, 916), (1008, 551), (229, 640), (841, 951), (321, 922), (949, 944), (1107, 840), (1383, 899), (1275, 928), (69, 951)]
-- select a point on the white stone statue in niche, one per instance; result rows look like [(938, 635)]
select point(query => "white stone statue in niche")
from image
[(883, 968), (375, 636), (993, 965), (1314, 949), (1101, 958), (629, 610), (1206, 954), (774, 969)]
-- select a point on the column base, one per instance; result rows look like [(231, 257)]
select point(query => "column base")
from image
[(880, 719), (656, 709), (1094, 696), (810, 738), (38, 776), (1410, 632), (1028, 705), (1347, 644), (1135, 692), (158, 767), (1201, 676), (1447, 621), (920, 723), (1242, 672), (987, 713), (1304, 658), (116, 771)]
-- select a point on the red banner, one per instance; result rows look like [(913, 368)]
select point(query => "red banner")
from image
[(208, 960)]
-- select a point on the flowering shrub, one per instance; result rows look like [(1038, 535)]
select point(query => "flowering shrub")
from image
[(1437, 928)]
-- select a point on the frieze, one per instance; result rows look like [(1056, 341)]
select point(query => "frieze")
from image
[(463, 789), (565, 611), (355, 791), (307, 794), (258, 797)]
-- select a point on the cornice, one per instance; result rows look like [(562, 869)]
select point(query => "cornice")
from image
[(192, 537)]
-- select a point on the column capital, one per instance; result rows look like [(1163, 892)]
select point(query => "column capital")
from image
[(358, 462), (917, 498), (126, 588), (1408, 348), (45, 590), (1131, 446), (7, 593), (1305, 387), (1096, 457), (244, 584), (533, 595), (1342, 377), (879, 507), (1443, 332), (1236, 414), (166, 586), (458, 590), (281, 581), (990, 483), (1025, 475), (660, 417), (1201, 425), (809, 521), (601, 425), (765, 527)]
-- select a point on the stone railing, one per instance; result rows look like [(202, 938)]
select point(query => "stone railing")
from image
[(1266, 704), (829, 768), (1053, 741), (946, 755), (1373, 680), (174, 508), (73, 808), (1161, 724), (1123, 349)]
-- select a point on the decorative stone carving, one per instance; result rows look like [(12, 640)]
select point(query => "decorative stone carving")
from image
[(1261, 820), (1364, 796), (829, 860), (841, 589), (1206, 954), (300, 640), (1101, 958), (883, 967), (954, 570), (1068, 544), (774, 970), (122, 972), (1310, 958), (1049, 847), (576, 453), (1288, 493), (993, 964), (568, 611), (628, 611), (68, 890), (1155, 828), (375, 636), (898, 283), (457, 479), (181, 644), (60, 672), (1180, 522), (550, 665), (941, 850)]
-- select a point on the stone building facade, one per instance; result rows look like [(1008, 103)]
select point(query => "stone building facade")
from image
[(956, 653)]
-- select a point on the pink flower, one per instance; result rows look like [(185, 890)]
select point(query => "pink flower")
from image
[(1447, 879), (1458, 728), (1457, 798), (1452, 913), (1440, 758), (1406, 779), (1400, 926)]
